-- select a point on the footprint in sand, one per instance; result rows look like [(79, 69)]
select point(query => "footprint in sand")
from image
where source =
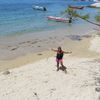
[(39, 46), (36, 95), (52, 91), (99, 97), (14, 48), (6, 72), (97, 89), (28, 41), (34, 42), (22, 43), (39, 54), (45, 81), (9, 46)]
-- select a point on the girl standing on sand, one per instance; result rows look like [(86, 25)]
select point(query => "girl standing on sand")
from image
[(59, 57)]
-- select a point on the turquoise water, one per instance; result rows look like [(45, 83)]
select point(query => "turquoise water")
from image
[(20, 18)]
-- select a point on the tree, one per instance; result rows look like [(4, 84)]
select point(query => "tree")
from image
[(98, 17), (72, 13)]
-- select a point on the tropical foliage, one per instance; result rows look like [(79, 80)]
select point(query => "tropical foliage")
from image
[(98, 18), (72, 13)]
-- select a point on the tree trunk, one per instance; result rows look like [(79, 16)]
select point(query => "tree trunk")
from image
[(89, 21), (93, 23)]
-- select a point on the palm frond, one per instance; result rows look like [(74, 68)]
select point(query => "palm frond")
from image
[(97, 18), (85, 17)]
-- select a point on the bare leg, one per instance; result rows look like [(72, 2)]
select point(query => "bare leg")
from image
[(62, 64), (57, 65)]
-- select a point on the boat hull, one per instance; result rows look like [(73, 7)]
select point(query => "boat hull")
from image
[(76, 7), (58, 19), (39, 8)]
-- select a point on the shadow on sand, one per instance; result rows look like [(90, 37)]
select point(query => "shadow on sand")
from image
[(63, 69)]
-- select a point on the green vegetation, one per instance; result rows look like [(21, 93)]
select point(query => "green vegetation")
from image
[(97, 18), (74, 14)]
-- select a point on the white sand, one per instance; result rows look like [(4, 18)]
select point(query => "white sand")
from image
[(96, 4), (40, 81), (95, 44)]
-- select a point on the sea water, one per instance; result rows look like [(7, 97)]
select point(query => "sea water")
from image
[(18, 18)]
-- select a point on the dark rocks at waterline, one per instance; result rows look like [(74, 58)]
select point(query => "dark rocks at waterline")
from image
[(75, 37)]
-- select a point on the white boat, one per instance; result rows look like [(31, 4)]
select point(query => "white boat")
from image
[(95, 5), (39, 8), (58, 19)]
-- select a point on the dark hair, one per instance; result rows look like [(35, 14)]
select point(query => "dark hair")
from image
[(59, 48)]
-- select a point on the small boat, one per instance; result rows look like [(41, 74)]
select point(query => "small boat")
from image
[(58, 19), (95, 5), (39, 8), (76, 7)]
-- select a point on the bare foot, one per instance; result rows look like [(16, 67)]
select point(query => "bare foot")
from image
[(57, 69)]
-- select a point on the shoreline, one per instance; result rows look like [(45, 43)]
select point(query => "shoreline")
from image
[(79, 45), (13, 47)]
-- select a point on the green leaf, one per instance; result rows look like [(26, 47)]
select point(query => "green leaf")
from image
[(85, 16), (97, 18)]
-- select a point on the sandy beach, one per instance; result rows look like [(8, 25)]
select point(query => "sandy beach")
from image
[(40, 81), (18, 51), (28, 39), (34, 75)]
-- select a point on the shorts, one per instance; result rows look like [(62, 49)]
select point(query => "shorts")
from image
[(59, 60)]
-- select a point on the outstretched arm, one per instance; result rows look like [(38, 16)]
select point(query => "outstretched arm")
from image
[(54, 50), (67, 52)]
